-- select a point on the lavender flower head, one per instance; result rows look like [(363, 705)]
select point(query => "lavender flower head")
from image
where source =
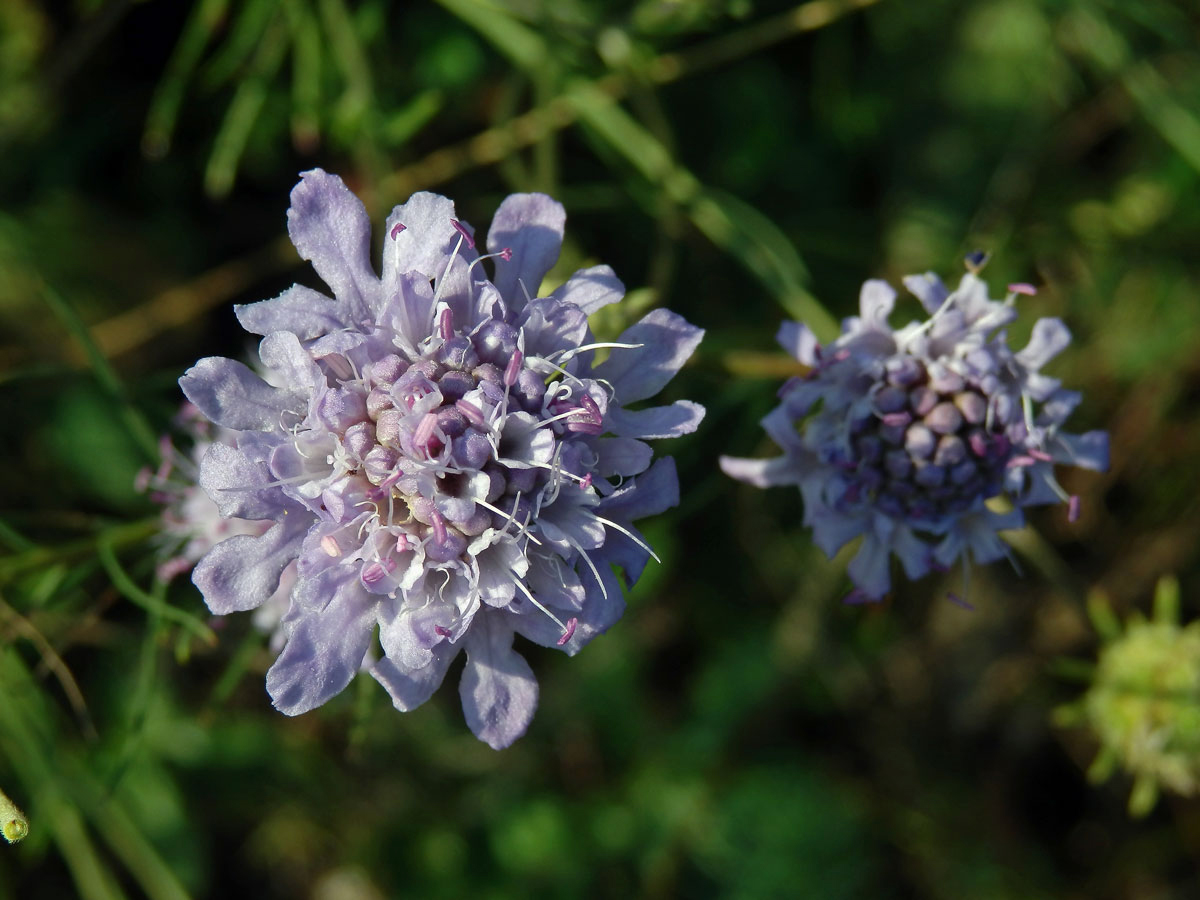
[(439, 454), (901, 435)]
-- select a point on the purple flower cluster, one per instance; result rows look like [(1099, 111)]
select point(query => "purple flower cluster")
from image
[(901, 436), (439, 454)]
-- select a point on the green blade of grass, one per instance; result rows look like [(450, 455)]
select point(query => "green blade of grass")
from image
[(137, 425)]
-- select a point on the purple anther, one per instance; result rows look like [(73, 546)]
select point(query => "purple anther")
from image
[(423, 436), (513, 369), (376, 571), (402, 543), (380, 491), (897, 418), (1073, 508), (473, 413), (330, 545), (442, 631), (959, 601), (505, 254), (446, 324), (142, 481), (1040, 455), (587, 418), (439, 526), (458, 226), (572, 623), (396, 229), (586, 483), (1022, 288), (1021, 462)]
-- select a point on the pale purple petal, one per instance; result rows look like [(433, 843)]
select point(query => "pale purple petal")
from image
[(762, 473), (656, 422), (242, 572), (1050, 337), (424, 244), (550, 325), (652, 492), (329, 226), (241, 485), (875, 302), (409, 688), (324, 650), (498, 690), (531, 225), (300, 310), (230, 394), (622, 456), (666, 339), (1088, 450), (799, 341), (927, 288), (591, 289)]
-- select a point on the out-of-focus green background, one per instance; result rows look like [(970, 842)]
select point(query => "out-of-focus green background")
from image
[(740, 733)]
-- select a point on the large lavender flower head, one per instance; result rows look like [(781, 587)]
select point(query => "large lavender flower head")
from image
[(438, 452), (901, 435)]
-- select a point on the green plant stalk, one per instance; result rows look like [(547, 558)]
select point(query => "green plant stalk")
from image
[(139, 428)]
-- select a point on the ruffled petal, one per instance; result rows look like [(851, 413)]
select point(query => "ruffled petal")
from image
[(799, 341), (240, 483), (1050, 337), (531, 225), (666, 339), (409, 688), (242, 572), (330, 227), (300, 310), (1088, 450), (875, 302), (591, 289), (927, 288), (498, 690), (652, 492), (762, 473), (231, 395), (324, 649), (657, 422)]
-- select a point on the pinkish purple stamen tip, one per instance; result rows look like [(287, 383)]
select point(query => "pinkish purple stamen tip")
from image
[(439, 527), (1073, 508), (571, 625), (446, 324), (513, 368), (443, 632), (458, 226), (396, 229), (506, 254), (586, 483), (1021, 287)]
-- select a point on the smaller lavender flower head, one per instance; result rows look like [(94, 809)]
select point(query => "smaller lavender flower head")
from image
[(191, 522), (440, 453), (901, 436)]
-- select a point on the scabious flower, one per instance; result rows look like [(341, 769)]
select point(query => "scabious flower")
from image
[(439, 452), (1143, 704), (901, 436)]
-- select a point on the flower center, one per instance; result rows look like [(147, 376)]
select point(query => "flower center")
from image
[(930, 447)]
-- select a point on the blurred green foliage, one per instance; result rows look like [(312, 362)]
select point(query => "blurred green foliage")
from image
[(740, 733)]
